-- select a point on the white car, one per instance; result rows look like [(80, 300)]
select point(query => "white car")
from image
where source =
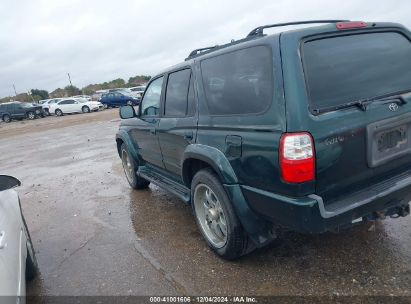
[(17, 259), (82, 96), (46, 104), (74, 105), (139, 90)]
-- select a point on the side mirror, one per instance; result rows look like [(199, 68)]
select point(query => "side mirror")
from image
[(8, 182), (127, 112)]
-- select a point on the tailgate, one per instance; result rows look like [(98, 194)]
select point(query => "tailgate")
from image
[(357, 147)]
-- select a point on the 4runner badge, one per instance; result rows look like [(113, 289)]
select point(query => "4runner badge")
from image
[(393, 107)]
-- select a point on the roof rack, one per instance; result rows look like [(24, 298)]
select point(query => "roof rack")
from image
[(198, 51), (255, 33), (259, 30)]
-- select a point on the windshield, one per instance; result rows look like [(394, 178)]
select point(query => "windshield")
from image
[(346, 69)]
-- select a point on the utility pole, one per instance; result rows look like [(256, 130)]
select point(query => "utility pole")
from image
[(15, 92), (29, 93), (69, 79)]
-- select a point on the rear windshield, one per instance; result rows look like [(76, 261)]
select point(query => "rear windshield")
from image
[(345, 69)]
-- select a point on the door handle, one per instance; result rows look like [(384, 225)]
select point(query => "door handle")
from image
[(2, 239), (188, 135), (153, 131)]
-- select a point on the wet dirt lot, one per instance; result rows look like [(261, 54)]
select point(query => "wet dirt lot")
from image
[(95, 236)]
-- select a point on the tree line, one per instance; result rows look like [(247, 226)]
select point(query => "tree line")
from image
[(38, 94)]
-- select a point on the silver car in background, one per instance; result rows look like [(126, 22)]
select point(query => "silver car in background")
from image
[(17, 259)]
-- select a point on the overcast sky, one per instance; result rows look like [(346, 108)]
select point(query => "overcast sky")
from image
[(99, 40)]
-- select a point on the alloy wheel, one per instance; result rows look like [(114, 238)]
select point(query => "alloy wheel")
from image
[(127, 166), (210, 215)]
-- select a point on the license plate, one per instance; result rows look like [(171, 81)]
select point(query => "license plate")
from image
[(388, 139), (392, 139)]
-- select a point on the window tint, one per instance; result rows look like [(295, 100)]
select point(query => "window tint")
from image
[(63, 102), (151, 103), (176, 93), (239, 82), (344, 69)]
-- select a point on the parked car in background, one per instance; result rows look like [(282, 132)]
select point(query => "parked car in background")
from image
[(118, 98), (94, 105), (87, 97), (72, 105), (43, 101), (46, 104), (307, 129), (20, 110), (139, 90), (96, 96), (17, 257)]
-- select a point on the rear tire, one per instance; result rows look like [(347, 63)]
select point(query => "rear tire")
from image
[(6, 118), (215, 216), (85, 109), (58, 112), (135, 181)]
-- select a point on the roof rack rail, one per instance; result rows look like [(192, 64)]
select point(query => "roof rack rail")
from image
[(198, 51), (259, 30)]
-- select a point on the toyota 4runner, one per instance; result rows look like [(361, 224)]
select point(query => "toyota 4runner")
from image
[(308, 129)]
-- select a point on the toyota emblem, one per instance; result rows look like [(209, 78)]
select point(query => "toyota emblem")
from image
[(393, 107)]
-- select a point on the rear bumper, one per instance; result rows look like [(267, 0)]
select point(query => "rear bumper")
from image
[(312, 215)]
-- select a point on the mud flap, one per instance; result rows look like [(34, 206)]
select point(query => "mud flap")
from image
[(259, 230)]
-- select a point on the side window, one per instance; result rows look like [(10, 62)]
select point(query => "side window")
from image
[(176, 93), (150, 104), (240, 82)]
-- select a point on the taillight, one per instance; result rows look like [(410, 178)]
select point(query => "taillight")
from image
[(350, 25), (297, 159)]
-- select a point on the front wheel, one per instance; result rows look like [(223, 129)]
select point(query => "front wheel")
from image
[(133, 179), (215, 216), (6, 118), (85, 109), (31, 115), (105, 106), (59, 112)]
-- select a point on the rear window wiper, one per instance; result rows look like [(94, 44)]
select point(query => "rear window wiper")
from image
[(398, 99), (364, 103)]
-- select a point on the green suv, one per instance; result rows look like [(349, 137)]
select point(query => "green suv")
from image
[(308, 129)]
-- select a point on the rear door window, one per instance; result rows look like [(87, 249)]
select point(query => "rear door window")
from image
[(176, 93), (240, 82), (345, 69)]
